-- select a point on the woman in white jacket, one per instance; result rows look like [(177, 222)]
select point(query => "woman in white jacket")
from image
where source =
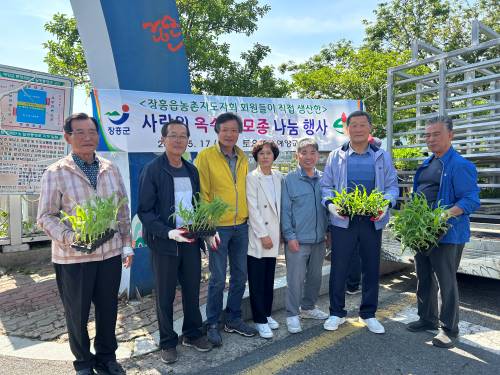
[(263, 198)]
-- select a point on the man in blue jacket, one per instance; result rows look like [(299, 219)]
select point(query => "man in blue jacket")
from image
[(164, 183), (357, 163), (450, 180), (303, 225)]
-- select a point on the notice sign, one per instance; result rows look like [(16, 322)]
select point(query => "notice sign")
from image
[(131, 121), (33, 106)]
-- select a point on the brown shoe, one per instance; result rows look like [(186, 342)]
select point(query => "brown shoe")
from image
[(201, 343), (168, 355)]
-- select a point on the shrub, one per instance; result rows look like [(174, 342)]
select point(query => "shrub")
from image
[(4, 223), (406, 153)]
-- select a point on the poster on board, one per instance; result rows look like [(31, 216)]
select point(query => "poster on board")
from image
[(33, 106)]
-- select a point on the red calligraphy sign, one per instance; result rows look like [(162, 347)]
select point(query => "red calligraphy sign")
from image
[(165, 30)]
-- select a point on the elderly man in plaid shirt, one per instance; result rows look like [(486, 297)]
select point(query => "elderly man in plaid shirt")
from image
[(84, 278)]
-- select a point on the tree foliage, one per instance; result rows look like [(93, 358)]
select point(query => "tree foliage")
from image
[(444, 24), (341, 71), (65, 54), (203, 23), (246, 79)]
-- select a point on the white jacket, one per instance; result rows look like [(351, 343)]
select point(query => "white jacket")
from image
[(263, 213)]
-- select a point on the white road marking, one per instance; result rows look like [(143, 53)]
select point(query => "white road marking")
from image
[(470, 334)]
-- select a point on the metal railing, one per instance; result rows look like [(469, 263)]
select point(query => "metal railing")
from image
[(463, 84)]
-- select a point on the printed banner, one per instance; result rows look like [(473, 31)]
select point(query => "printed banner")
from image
[(131, 121), (33, 106)]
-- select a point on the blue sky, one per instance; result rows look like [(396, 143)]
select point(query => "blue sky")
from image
[(294, 30)]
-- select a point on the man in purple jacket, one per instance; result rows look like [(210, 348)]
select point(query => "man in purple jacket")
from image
[(353, 164)]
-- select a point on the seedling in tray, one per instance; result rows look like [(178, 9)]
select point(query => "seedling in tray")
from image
[(419, 227), (359, 202), (94, 222), (203, 219)]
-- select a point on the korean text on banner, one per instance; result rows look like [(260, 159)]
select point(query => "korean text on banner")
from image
[(131, 121)]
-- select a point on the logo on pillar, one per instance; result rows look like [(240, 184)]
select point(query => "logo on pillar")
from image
[(122, 117), (166, 30)]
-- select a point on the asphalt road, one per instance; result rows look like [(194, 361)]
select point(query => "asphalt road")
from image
[(396, 352), (350, 350)]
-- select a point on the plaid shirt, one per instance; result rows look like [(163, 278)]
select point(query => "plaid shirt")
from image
[(63, 186)]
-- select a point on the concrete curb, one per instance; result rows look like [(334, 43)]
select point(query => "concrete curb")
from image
[(19, 347), (23, 258)]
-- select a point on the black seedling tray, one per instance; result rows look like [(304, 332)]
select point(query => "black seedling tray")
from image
[(199, 234), (90, 248)]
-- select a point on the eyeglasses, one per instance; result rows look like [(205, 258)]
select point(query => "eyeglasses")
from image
[(183, 138), (82, 134)]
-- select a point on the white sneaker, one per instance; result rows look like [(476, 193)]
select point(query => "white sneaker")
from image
[(373, 325), (353, 292), (264, 330), (313, 314), (293, 324), (333, 322), (273, 324)]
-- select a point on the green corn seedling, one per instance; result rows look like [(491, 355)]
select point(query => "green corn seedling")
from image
[(205, 216), (359, 202), (417, 226), (93, 218)]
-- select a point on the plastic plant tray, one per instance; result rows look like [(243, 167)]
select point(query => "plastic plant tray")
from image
[(200, 234), (90, 248)]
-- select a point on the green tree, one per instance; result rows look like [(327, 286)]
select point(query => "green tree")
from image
[(340, 71), (248, 78), (65, 54), (445, 24), (203, 23)]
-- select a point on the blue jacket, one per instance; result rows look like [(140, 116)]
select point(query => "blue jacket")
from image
[(335, 178), (458, 187), (303, 218)]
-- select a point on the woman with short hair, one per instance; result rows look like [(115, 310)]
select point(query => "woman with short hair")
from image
[(263, 198)]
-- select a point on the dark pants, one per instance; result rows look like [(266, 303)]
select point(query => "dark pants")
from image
[(261, 287), (361, 232), (438, 270), (354, 277), (167, 269), (234, 245), (80, 284)]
